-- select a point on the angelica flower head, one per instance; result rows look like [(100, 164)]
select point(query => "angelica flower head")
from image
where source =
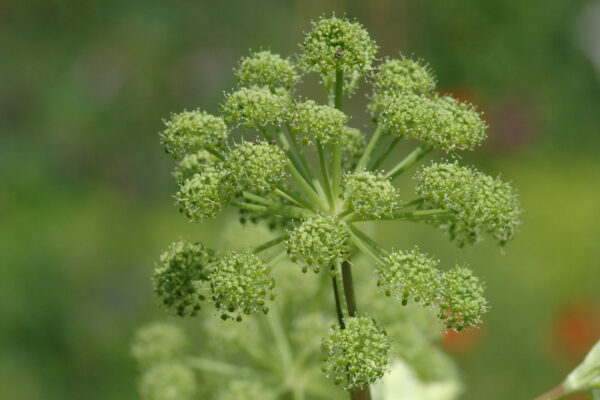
[(337, 44), (318, 122), (370, 195), (256, 166), (318, 242), (356, 355), (181, 269), (264, 68), (190, 131), (395, 77), (463, 303), (204, 194), (192, 164), (241, 283), (353, 146), (409, 276), (254, 107), (479, 202)]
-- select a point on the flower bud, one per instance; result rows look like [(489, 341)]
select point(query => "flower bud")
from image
[(171, 381), (480, 202), (254, 107), (318, 122), (158, 343), (357, 355), (318, 242), (353, 146), (338, 44), (396, 76), (193, 164), (241, 283), (264, 68), (462, 302), (256, 166), (587, 374), (203, 195), (370, 195), (190, 131), (176, 279), (409, 276)]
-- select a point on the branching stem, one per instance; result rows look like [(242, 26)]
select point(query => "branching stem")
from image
[(364, 159), (409, 160)]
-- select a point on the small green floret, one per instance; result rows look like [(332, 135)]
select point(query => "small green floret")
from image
[(409, 276), (410, 114), (264, 68), (370, 195), (318, 242), (255, 107), (181, 270), (171, 381), (256, 166), (338, 44), (460, 126), (204, 194), (357, 355), (241, 283), (462, 303), (158, 343), (318, 122), (480, 203), (190, 131)]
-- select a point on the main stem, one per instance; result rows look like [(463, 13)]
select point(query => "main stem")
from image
[(346, 271)]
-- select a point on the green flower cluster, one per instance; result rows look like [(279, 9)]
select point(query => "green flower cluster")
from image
[(318, 123), (395, 77), (441, 122), (479, 202), (357, 354), (313, 180), (318, 242), (158, 343), (241, 283), (370, 195), (337, 44), (264, 68), (190, 131)]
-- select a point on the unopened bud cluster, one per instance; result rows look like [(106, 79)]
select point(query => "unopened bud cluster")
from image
[(312, 178)]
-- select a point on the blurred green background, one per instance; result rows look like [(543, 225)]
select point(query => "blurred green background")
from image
[(85, 188)]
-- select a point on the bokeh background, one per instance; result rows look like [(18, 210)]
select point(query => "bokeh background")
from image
[(85, 188)]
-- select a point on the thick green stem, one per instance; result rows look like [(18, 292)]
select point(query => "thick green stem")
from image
[(293, 197), (409, 160), (407, 215), (364, 159), (218, 367), (336, 162), (365, 238), (269, 244), (385, 154), (270, 203), (364, 248), (270, 210)]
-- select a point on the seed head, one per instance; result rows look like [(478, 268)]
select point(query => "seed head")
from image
[(241, 283), (264, 68), (170, 381), (480, 202), (176, 279), (462, 302), (318, 242), (409, 276), (158, 343), (338, 44), (318, 122), (204, 194), (190, 131), (255, 106), (370, 195), (357, 355), (256, 166)]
